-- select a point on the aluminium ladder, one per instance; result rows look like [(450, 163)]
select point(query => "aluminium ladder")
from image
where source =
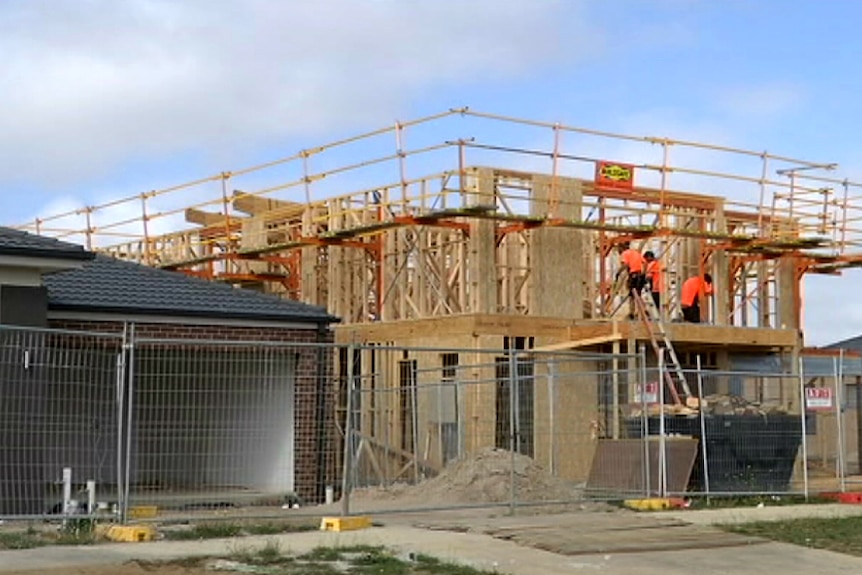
[(651, 317)]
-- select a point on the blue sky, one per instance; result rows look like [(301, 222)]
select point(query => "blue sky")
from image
[(107, 98)]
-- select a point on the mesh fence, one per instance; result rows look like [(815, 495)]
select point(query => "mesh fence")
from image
[(102, 423), (230, 424), (59, 422)]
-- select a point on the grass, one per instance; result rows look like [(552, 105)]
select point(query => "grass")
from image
[(438, 567), (380, 562), (352, 560), (205, 531), (371, 560), (269, 554), (841, 534), (223, 530), (337, 553), (741, 501), (75, 532), (81, 532), (269, 558), (21, 540), (753, 501)]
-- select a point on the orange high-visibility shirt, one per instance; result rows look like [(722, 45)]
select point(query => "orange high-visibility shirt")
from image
[(691, 290), (633, 260), (653, 273)]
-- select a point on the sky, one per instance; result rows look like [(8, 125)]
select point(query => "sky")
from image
[(104, 99)]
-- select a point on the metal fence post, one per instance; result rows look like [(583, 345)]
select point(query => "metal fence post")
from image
[(703, 439), (552, 413), (662, 454), (348, 436), (129, 349), (838, 368), (645, 421), (802, 411), (460, 410), (120, 399), (130, 412), (513, 430)]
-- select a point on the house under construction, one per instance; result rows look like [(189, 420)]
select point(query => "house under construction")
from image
[(470, 231)]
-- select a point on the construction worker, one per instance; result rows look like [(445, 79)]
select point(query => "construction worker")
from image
[(631, 261), (690, 299), (653, 278)]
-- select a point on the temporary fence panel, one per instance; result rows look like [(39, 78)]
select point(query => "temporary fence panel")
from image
[(751, 428), (223, 424), (420, 412), (58, 421), (832, 393), (191, 425), (449, 427)]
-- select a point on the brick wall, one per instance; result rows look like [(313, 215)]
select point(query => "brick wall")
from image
[(317, 463)]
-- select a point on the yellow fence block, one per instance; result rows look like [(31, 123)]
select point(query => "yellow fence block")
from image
[(651, 504), (344, 523), (127, 533), (143, 511)]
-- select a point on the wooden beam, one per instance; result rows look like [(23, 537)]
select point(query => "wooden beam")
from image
[(202, 218), (257, 205), (616, 336)]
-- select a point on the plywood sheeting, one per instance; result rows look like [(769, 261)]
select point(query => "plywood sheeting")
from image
[(622, 465)]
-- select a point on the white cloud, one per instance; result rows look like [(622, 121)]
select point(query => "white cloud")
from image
[(88, 85), (831, 313), (762, 102)]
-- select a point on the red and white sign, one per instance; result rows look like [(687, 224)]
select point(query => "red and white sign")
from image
[(646, 393), (818, 398)]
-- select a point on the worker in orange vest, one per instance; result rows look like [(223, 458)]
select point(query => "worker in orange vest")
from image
[(631, 261), (690, 299), (654, 278)]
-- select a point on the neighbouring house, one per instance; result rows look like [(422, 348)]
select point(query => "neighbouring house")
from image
[(153, 382), (853, 344)]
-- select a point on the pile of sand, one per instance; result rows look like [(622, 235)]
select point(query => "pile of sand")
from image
[(482, 477)]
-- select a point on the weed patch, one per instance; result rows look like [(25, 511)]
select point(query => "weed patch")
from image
[(841, 534), (21, 540), (337, 553), (218, 530)]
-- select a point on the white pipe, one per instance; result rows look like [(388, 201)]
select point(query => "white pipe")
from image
[(91, 496), (67, 490)]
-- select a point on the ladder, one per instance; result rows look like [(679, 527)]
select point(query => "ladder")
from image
[(651, 317)]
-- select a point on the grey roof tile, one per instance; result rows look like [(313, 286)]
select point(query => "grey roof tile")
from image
[(110, 285), (854, 343), (18, 243)]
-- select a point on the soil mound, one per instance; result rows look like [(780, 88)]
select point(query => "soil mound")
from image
[(482, 477)]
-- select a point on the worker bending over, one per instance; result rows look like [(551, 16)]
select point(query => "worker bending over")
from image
[(631, 261), (690, 300), (654, 278)]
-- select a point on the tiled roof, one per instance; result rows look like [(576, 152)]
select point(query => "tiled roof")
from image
[(108, 285), (854, 343), (17, 243)]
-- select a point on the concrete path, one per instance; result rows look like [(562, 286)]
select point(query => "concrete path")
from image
[(505, 555), (478, 550)]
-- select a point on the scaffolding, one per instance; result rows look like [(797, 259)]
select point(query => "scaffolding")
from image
[(491, 214)]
